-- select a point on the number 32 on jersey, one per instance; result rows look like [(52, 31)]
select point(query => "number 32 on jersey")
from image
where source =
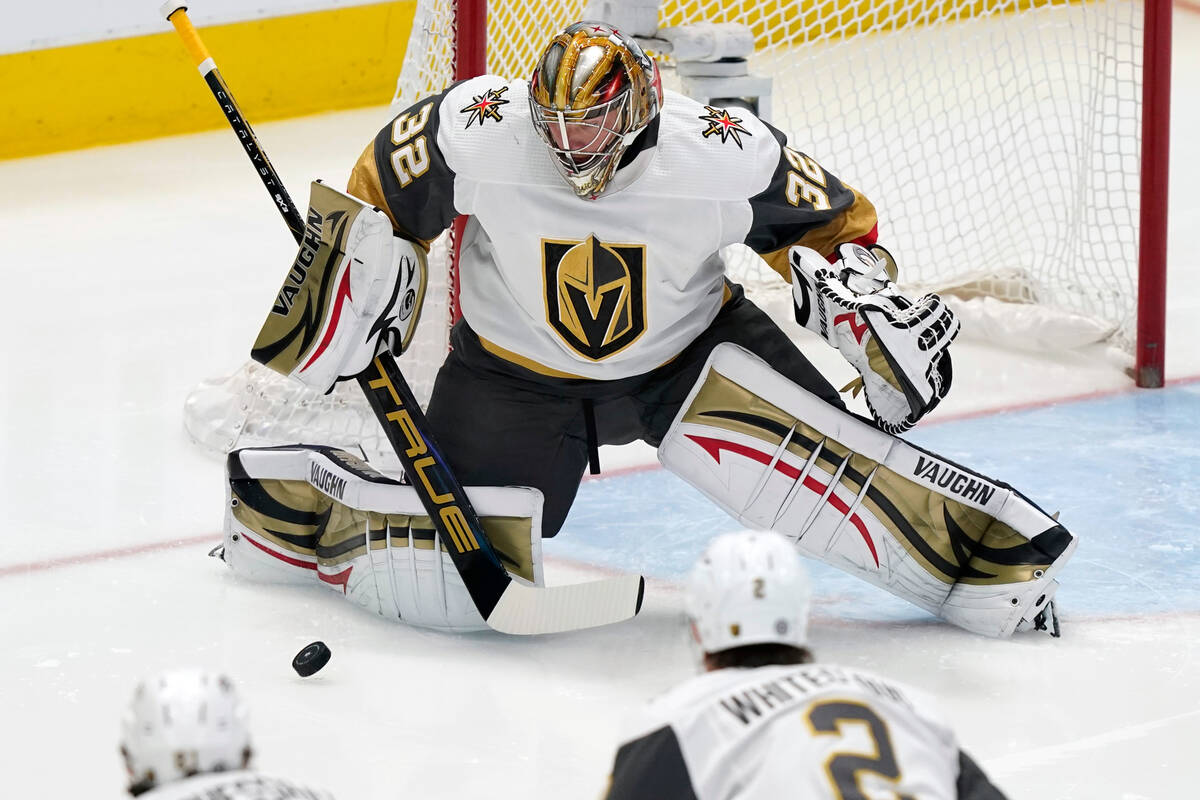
[(410, 159), (806, 181)]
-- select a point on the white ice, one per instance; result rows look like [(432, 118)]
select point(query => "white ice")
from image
[(132, 272)]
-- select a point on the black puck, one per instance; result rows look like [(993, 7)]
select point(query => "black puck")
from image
[(311, 659)]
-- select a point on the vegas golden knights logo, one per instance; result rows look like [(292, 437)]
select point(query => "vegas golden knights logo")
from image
[(595, 294)]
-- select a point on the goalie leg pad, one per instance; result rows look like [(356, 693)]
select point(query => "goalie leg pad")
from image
[(300, 514), (353, 290), (967, 548)]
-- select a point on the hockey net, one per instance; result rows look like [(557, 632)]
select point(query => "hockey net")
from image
[(999, 140)]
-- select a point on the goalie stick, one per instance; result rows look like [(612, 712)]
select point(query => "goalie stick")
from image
[(506, 606)]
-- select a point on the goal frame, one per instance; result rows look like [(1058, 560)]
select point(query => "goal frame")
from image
[(1150, 349), (470, 60)]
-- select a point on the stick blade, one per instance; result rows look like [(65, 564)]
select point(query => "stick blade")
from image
[(526, 610)]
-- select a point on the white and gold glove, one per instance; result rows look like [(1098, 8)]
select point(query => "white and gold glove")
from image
[(899, 346)]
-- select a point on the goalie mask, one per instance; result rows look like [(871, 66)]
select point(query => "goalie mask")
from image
[(592, 92)]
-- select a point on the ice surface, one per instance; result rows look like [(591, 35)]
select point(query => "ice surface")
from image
[(132, 272)]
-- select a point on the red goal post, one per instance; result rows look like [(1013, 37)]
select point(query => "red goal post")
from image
[(1150, 353), (1057, 88), (1016, 151)]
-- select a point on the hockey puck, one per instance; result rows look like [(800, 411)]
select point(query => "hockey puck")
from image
[(311, 659)]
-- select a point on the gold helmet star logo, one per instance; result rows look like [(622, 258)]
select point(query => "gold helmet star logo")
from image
[(486, 106), (721, 123)]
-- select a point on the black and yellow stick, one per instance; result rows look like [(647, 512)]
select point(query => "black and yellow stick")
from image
[(506, 605), (176, 13)]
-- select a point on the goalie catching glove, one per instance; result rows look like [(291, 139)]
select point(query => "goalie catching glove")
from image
[(353, 290), (899, 346)]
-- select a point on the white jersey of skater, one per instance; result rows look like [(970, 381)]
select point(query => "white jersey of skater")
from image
[(604, 288), (816, 731), (238, 785)]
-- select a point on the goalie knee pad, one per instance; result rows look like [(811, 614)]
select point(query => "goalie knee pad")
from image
[(353, 290), (300, 514), (969, 549)]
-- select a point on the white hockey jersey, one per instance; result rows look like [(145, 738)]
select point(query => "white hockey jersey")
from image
[(618, 285), (816, 731), (237, 785)]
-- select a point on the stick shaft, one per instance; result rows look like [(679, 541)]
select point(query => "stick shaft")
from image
[(441, 494), (388, 393), (518, 609), (216, 84)]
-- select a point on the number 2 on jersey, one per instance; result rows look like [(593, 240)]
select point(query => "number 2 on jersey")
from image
[(844, 768), (410, 159)]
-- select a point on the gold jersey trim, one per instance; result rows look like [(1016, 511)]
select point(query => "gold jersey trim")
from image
[(365, 184), (550, 372), (527, 363), (856, 221)]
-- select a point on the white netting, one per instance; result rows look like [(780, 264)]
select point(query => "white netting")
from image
[(998, 139)]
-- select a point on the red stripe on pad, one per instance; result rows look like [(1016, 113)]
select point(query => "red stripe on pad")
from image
[(341, 579), (714, 447), (343, 293), (295, 562)]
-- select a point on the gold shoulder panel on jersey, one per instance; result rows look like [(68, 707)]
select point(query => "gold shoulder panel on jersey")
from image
[(364, 182), (856, 221)]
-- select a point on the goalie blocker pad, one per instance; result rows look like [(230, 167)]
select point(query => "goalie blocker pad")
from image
[(353, 290), (303, 513), (960, 545)]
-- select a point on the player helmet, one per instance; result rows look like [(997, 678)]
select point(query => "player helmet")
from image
[(183, 723), (592, 92), (749, 588)]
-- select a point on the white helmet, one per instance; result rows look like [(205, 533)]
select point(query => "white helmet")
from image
[(183, 723), (749, 588)]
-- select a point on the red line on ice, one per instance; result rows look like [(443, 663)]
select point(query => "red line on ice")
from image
[(104, 555)]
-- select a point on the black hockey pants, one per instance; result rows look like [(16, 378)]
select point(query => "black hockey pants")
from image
[(499, 424)]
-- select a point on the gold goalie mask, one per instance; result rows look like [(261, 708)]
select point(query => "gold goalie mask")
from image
[(592, 92)]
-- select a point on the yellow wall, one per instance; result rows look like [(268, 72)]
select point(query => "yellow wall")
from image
[(145, 86)]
